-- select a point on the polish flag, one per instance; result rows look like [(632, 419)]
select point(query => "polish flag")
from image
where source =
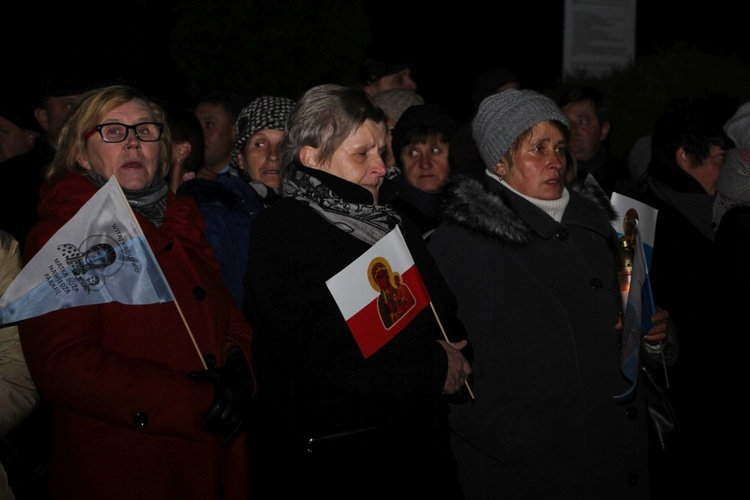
[(380, 292)]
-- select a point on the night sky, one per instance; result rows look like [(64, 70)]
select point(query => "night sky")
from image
[(446, 45)]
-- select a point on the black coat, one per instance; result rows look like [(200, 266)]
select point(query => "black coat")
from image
[(314, 381), (694, 281), (539, 302)]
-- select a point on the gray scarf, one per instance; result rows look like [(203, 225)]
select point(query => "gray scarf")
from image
[(368, 223), (150, 202)]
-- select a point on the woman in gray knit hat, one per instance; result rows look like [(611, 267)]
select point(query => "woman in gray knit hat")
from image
[(532, 265), (259, 130)]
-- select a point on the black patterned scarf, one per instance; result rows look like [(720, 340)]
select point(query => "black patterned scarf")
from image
[(366, 222)]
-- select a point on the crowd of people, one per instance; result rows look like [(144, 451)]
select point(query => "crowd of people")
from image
[(516, 381)]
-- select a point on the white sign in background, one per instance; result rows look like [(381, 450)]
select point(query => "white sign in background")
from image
[(598, 36)]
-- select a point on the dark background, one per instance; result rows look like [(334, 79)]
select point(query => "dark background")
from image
[(175, 49)]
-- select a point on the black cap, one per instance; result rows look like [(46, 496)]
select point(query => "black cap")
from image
[(372, 70), (64, 84), (425, 116), (489, 82), (18, 108)]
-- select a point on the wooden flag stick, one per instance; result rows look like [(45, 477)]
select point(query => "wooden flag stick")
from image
[(466, 382), (190, 332), (174, 299), (664, 364)]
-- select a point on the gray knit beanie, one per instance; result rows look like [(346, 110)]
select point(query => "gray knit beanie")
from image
[(502, 117), (395, 101), (267, 112)]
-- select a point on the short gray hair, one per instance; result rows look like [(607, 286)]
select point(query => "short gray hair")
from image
[(323, 118)]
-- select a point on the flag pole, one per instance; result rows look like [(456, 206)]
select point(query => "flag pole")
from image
[(466, 382), (664, 364), (192, 338), (177, 305)]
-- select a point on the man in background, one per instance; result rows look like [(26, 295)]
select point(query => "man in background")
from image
[(57, 93), (217, 110), (377, 75), (23, 156), (588, 116)]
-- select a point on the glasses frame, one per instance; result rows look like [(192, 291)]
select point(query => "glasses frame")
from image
[(134, 128)]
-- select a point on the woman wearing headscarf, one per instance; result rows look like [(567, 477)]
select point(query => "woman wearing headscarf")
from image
[(259, 130), (532, 265), (731, 218)]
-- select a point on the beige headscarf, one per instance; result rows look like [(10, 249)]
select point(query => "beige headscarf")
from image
[(733, 186)]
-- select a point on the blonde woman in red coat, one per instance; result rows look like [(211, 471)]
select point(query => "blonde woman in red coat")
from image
[(136, 412)]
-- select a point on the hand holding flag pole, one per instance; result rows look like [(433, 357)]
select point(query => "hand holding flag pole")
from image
[(445, 335), (367, 293)]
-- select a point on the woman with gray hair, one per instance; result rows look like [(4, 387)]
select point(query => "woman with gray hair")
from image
[(533, 267), (338, 423)]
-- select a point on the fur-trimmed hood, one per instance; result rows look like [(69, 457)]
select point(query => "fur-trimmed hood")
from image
[(486, 207)]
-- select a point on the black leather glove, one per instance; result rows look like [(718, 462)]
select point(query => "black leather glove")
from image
[(233, 393)]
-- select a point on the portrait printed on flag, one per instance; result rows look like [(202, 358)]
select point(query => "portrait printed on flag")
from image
[(380, 292), (93, 260), (98, 256), (395, 298)]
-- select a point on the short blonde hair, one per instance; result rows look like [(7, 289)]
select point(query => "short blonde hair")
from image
[(88, 112)]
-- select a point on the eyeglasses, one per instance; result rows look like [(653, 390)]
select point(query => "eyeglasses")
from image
[(118, 132)]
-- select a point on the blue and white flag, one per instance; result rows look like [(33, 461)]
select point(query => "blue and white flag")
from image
[(98, 256), (637, 318), (646, 221)]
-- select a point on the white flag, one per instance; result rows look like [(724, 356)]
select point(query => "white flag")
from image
[(98, 256)]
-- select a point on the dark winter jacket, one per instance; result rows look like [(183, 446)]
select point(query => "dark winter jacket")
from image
[(365, 421), (421, 207), (539, 301), (229, 206)]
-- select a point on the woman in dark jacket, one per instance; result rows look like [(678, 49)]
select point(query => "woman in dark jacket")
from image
[(127, 418), (336, 422), (532, 265)]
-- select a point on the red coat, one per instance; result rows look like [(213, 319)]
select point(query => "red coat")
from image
[(125, 413)]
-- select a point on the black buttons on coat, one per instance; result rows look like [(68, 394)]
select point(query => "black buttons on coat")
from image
[(210, 360), (169, 246), (631, 413), (140, 420), (199, 293), (561, 233)]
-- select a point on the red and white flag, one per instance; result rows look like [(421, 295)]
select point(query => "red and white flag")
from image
[(380, 292)]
